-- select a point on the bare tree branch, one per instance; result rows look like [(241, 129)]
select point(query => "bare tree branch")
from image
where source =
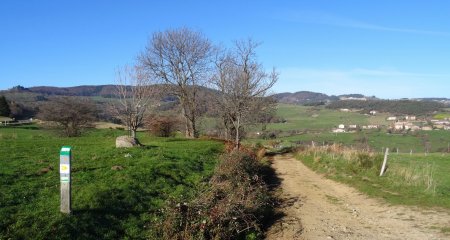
[(134, 91), (243, 84), (181, 58)]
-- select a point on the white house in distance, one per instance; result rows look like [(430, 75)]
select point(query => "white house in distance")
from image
[(403, 125), (339, 130), (353, 98), (341, 126), (370, 127), (373, 112), (427, 128), (352, 126), (411, 118), (391, 118)]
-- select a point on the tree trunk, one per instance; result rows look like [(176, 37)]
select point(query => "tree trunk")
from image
[(133, 133), (237, 140), (188, 132), (194, 127)]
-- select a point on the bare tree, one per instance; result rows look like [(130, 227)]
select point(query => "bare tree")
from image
[(243, 84), (180, 58), (134, 92), (72, 114)]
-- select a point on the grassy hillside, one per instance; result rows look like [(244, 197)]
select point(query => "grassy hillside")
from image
[(319, 118), (107, 203)]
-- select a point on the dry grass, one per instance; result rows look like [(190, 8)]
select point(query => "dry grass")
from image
[(333, 156), (415, 175), (107, 125), (337, 151)]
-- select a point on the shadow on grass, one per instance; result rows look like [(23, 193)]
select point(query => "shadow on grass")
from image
[(176, 140), (147, 147), (110, 219)]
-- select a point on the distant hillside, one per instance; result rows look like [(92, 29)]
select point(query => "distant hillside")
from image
[(106, 91), (354, 95), (314, 98), (444, 101), (395, 107), (25, 102), (303, 97), (86, 91)]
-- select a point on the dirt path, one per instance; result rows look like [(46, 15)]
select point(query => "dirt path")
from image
[(319, 208)]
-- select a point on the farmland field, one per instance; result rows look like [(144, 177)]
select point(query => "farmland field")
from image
[(107, 203), (306, 124), (319, 118)]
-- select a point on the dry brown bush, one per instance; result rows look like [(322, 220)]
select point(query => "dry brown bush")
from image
[(162, 126), (231, 207)]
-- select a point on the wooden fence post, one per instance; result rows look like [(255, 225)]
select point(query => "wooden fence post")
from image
[(64, 170), (384, 162)]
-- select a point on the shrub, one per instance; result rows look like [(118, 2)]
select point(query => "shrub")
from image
[(162, 126), (70, 113), (230, 208)]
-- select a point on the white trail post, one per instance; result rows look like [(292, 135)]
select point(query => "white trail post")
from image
[(384, 162), (65, 156)]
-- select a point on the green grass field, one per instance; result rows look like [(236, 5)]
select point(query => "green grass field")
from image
[(107, 204), (441, 116), (410, 179), (319, 118)]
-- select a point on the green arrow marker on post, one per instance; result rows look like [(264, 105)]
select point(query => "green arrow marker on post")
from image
[(65, 156)]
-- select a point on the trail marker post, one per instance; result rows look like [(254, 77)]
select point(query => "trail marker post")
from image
[(65, 156), (384, 162)]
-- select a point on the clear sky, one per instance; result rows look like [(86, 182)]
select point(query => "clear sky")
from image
[(386, 48)]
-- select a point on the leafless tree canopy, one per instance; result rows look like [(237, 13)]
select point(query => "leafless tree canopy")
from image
[(134, 92), (243, 84), (72, 114), (180, 58)]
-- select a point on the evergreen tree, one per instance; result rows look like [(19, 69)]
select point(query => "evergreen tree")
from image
[(4, 107)]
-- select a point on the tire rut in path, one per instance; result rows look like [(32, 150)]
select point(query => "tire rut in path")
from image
[(319, 208)]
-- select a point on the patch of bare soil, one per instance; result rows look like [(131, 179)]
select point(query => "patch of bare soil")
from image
[(318, 208)]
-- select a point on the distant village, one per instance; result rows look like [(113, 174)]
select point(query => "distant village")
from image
[(397, 124)]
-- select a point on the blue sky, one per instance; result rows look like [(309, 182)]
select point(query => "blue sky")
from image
[(390, 49)]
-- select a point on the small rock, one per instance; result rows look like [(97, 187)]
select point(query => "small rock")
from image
[(45, 170), (126, 142), (116, 168)]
